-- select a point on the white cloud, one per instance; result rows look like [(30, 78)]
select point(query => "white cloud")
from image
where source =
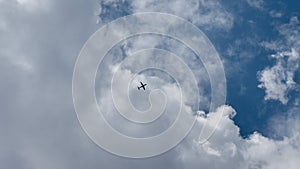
[(140, 101), (259, 4), (202, 13), (275, 14), (137, 43), (228, 150), (207, 14), (278, 80)]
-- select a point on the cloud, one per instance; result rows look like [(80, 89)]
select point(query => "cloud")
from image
[(259, 4), (34, 5), (38, 48), (227, 149), (275, 14), (278, 80), (137, 43), (281, 153), (39, 128), (208, 14)]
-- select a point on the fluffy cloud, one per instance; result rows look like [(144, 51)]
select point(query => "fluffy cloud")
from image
[(227, 149), (278, 80)]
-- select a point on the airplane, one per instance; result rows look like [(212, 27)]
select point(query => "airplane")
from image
[(143, 86)]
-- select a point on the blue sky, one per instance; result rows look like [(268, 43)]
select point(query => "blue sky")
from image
[(258, 44), (255, 112)]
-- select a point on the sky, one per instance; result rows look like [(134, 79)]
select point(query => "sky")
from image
[(252, 74)]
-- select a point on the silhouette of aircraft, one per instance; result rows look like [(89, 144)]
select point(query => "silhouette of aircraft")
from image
[(142, 86)]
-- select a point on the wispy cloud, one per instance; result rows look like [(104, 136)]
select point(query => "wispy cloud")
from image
[(209, 14), (259, 4)]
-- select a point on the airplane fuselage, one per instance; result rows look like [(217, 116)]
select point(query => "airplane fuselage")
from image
[(142, 86)]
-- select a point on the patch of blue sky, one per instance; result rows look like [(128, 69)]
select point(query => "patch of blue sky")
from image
[(251, 27)]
